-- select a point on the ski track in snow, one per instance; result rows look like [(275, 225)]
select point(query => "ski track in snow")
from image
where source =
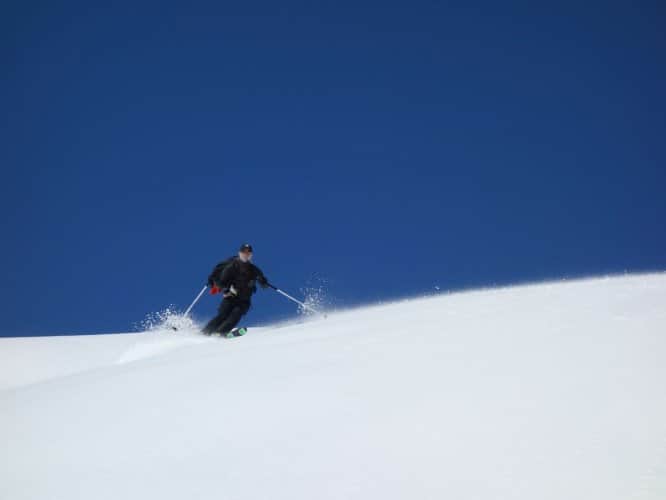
[(547, 391)]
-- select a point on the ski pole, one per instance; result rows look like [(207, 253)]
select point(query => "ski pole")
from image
[(302, 304), (195, 301)]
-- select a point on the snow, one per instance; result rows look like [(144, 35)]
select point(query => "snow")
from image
[(548, 391)]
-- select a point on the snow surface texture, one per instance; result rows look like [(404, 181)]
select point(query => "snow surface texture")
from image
[(551, 391)]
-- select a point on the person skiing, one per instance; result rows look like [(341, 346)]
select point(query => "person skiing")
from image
[(236, 278)]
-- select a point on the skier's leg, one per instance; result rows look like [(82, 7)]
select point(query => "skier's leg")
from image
[(234, 317), (222, 314), (213, 324)]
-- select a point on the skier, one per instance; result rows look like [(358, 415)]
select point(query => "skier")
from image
[(236, 278)]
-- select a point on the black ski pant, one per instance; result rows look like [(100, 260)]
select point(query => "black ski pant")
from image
[(229, 314)]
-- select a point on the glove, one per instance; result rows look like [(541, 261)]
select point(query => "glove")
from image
[(214, 290), (263, 282)]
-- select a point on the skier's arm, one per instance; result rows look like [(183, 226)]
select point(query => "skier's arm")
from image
[(261, 279), (214, 278), (227, 276)]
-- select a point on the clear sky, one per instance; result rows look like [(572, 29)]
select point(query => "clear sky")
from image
[(384, 148)]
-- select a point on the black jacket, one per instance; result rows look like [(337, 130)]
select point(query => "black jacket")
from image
[(243, 276)]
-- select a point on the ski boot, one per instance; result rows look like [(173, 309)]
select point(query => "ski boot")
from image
[(236, 332)]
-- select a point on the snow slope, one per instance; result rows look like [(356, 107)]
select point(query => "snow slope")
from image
[(550, 391)]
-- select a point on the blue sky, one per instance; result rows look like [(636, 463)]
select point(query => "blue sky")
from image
[(384, 148)]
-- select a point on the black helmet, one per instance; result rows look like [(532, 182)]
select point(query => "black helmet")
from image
[(246, 247)]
